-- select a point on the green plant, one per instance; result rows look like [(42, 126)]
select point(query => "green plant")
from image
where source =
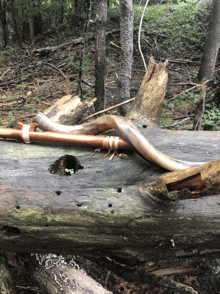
[(69, 171), (176, 27)]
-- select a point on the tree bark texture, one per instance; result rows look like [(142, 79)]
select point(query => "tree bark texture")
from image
[(100, 61), (104, 207), (10, 24), (208, 61), (2, 28), (126, 32), (149, 99)]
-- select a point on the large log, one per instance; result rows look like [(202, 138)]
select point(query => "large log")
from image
[(103, 208)]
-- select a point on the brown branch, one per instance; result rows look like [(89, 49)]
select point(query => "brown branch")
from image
[(108, 109), (47, 50)]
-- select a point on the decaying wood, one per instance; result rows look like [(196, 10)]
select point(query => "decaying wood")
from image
[(190, 183), (200, 107), (56, 275), (6, 281), (149, 99), (103, 207), (48, 49), (68, 110)]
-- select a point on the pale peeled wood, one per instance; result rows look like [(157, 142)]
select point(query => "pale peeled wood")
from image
[(149, 100), (68, 110)]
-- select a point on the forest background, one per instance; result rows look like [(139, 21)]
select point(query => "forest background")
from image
[(31, 81), (48, 49)]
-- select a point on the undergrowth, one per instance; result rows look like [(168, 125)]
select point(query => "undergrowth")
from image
[(176, 28)]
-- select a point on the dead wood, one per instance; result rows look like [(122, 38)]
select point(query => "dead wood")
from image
[(68, 110), (6, 280), (200, 107), (190, 183), (149, 99), (56, 275), (47, 50), (103, 207)]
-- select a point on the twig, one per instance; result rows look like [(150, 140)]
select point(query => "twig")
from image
[(139, 35), (107, 109), (177, 123), (196, 86)]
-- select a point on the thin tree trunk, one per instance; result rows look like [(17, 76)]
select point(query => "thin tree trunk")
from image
[(11, 30), (208, 62), (100, 64), (126, 27), (2, 28)]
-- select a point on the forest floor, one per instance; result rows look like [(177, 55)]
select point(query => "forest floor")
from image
[(29, 83)]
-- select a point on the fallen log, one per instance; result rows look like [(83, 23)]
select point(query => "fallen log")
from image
[(103, 208)]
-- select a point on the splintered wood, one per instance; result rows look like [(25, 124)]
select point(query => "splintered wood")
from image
[(195, 182), (149, 100)]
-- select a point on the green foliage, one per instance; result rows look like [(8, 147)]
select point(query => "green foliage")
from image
[(69, 171), (177, 27), (211, 117)]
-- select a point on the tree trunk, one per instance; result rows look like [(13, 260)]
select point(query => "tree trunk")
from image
[(100, 62), (2, 28), (11, 28), (126, 28), (208, 61)]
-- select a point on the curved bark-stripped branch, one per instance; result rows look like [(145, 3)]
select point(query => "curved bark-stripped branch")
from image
[(139, 35), (130, 133)]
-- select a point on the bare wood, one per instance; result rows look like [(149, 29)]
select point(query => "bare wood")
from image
[(107, 109), (190, 183), (68, 110), (149, 99)]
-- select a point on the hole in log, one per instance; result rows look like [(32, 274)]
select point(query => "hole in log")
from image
[(58, 193), (110, 205), (119, 190), (190, 187), (66, 165), (191, 183), (11, 232), (144, 126), (79, 204), (17, 207)]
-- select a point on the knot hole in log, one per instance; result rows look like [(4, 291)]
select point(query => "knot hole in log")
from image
[(66, 165), (9, 232)]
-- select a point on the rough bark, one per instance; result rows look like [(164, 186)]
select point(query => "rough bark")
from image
[(2, 28), (10, 24), (149, 99), (126, 33), (208, 61), (103, 208), (100, 62)]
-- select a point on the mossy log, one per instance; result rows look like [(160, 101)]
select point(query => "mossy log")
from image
[(103, 208)]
